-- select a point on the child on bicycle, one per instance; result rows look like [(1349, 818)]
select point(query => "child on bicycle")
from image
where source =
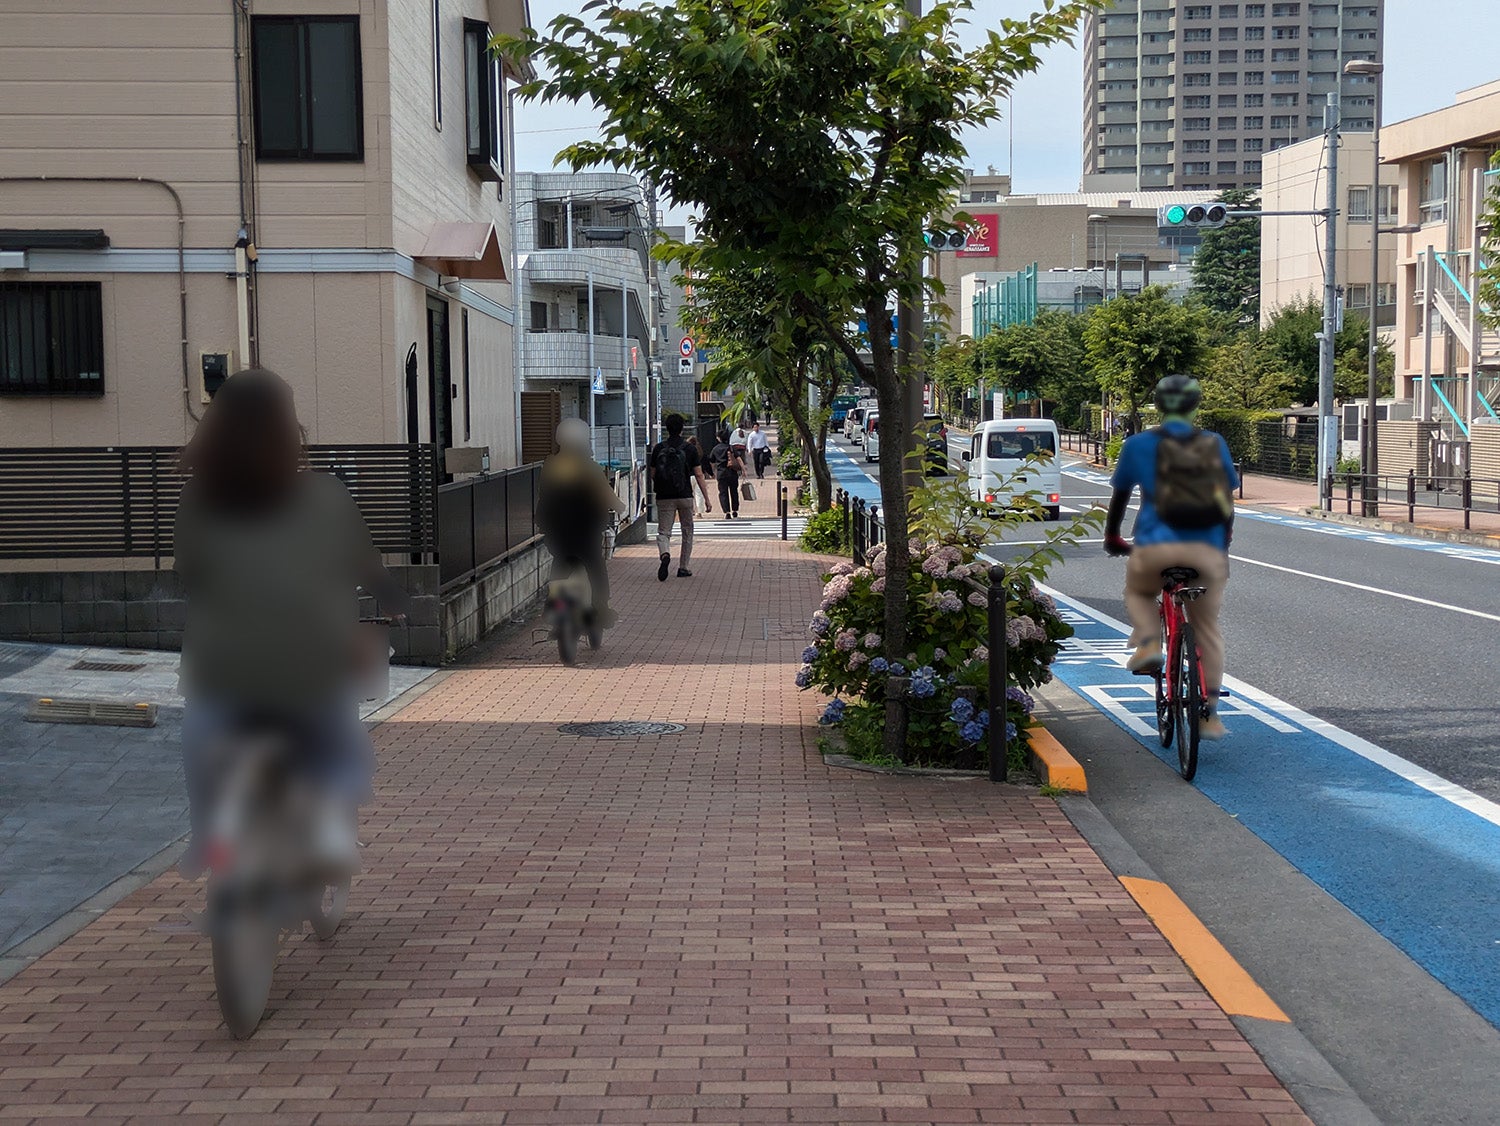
[(1187, 480)]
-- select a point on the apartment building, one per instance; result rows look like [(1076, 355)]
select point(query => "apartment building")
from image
[(1191, 95), (1447, 358), (316, 186), (1291, 246)]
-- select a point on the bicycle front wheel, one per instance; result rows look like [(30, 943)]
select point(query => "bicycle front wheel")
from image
[(1188, 697)]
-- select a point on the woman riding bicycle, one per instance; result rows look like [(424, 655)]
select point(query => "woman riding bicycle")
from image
[(271, 556), (574, 502), (1186, 477)]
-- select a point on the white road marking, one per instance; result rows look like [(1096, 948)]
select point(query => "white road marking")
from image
[(1370, 589), (1449, 791)]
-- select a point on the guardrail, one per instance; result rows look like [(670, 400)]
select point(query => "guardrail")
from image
[(1466, 494), (120, 502)]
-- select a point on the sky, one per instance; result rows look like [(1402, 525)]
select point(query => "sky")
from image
[(1433, 49)]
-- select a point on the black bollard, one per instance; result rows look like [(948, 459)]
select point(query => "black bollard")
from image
[(998, 655)]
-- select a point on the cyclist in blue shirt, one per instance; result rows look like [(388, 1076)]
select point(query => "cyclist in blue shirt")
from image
[(1159, 545)]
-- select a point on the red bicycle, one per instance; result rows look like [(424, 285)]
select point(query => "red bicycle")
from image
[(1180, 699)]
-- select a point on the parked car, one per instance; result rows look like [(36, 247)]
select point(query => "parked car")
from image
[(935, 432), (872, 436), (998, 463)]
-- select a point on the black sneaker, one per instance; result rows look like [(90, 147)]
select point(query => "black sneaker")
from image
[(684, 573), (666, 563)]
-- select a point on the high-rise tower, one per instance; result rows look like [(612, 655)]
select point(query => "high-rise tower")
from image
[(1188, 95)]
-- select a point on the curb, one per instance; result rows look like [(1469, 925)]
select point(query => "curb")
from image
[(1052, 762), (1323, 1094), (1422, 531)]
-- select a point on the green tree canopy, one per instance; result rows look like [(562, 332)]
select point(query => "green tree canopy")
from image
[(1135, 340), (1226, 268), (1291, 340)]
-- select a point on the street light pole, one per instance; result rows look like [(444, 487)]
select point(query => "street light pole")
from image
[(1370, 491), (1327, 424)]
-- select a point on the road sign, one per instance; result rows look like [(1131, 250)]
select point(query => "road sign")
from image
[(686, 347), (685, 365), (599, 387)]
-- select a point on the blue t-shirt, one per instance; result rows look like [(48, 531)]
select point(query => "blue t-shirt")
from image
[(1137, 468)]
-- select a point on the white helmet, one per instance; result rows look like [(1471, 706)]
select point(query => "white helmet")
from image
[(573, 436)]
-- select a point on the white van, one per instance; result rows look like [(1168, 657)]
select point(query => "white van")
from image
[(854, 424), (1000, 448), (872, 436)]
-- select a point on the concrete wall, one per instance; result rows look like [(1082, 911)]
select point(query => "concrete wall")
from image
[(508, 590)]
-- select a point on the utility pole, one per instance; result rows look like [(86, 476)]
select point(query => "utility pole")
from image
[(1327, 423)]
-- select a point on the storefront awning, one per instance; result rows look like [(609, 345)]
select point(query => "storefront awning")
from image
[(464, 250)]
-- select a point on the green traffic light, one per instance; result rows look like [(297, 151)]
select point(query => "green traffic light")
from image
[(1176, 213)]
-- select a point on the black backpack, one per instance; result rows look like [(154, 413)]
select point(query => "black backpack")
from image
[(1192, 487), (670, 465)]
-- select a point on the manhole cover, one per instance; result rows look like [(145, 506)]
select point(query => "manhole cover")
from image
[(106, 666), (622, 729)]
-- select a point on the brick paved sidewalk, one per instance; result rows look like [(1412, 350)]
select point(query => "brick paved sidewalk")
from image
[(702, 927)]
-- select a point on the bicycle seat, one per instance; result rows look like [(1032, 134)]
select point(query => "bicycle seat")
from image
[(1176, 576)]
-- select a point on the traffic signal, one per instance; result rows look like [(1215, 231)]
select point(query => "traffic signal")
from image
[(941, 239), (1196, 216)]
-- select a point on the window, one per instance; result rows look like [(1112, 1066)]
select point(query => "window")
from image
[(1252, 167), (1255, 11), (1283, 121), (1228, 124), (1197, 101), (51, 338), (1388, 200), (483, 113), (1253, 100), (1357, 296), (1386, 293), (1198, 12), (1282, 11), (1286, 54), (1195, 168), (1227, 167), (1196, 80), (1197, 58), (1229, 57), (1229, 11), (1359, 203), (1197, 35), (1229, 78), (1017, 445), (538, 316), (1254, 144), (1284, 78), (1284, 99), (1255, 55), (1255, 121), (1434, 184), (1229, 34), (1255, 78), (1254, 34), (1286, 33), (1194, 146), (1195, 124), (1227, 144), (1228, 101), (308, 90)]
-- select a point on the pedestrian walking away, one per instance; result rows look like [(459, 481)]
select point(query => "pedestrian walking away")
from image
[(675, 465), (728, 465), (1186, 477), (760, 450)]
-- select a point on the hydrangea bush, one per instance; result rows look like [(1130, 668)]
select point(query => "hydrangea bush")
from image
[(946, 658)]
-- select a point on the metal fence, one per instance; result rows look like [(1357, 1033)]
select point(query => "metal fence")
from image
[(1367, 494), (121, 502), (483, 519)]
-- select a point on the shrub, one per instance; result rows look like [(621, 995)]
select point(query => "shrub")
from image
[(824, 533), (946, 659), (1112, 448), (790, 462)]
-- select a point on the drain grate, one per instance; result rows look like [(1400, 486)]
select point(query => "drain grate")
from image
[(103, 713), (620, 729), (106, 666)]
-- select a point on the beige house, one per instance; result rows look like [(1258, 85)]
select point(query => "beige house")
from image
[(1291, 246), (316, 186), (1440, 160)]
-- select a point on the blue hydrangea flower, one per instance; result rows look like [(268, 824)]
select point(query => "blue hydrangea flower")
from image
[(809, 654), (833, 713), (1026, 702), (898, 669), (1010, 732), (804, 677), (926, 672), (879, 665), (971, 732), (983, 717), (923, 688), (963, 710)]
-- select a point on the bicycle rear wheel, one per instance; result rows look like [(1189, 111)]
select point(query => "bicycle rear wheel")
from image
[(1188, 697)]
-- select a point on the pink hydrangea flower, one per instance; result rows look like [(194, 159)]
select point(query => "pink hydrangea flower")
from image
[(936, 566), (977, 599), (878, 586), (845, 640), (858, 659), (842, 569), (838, 589), (939, 654), (914, 545), (877, 565), (872, 641), (981, 653), (950, 603)]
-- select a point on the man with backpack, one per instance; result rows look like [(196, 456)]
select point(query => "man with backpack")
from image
[(1187, 481), (674, 465)]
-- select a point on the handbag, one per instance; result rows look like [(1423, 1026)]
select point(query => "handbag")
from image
[(747, 490)]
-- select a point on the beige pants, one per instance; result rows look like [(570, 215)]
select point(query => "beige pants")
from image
[(1143, 583), (669, 510)]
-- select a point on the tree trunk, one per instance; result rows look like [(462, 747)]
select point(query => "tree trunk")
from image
[(813, 442)]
